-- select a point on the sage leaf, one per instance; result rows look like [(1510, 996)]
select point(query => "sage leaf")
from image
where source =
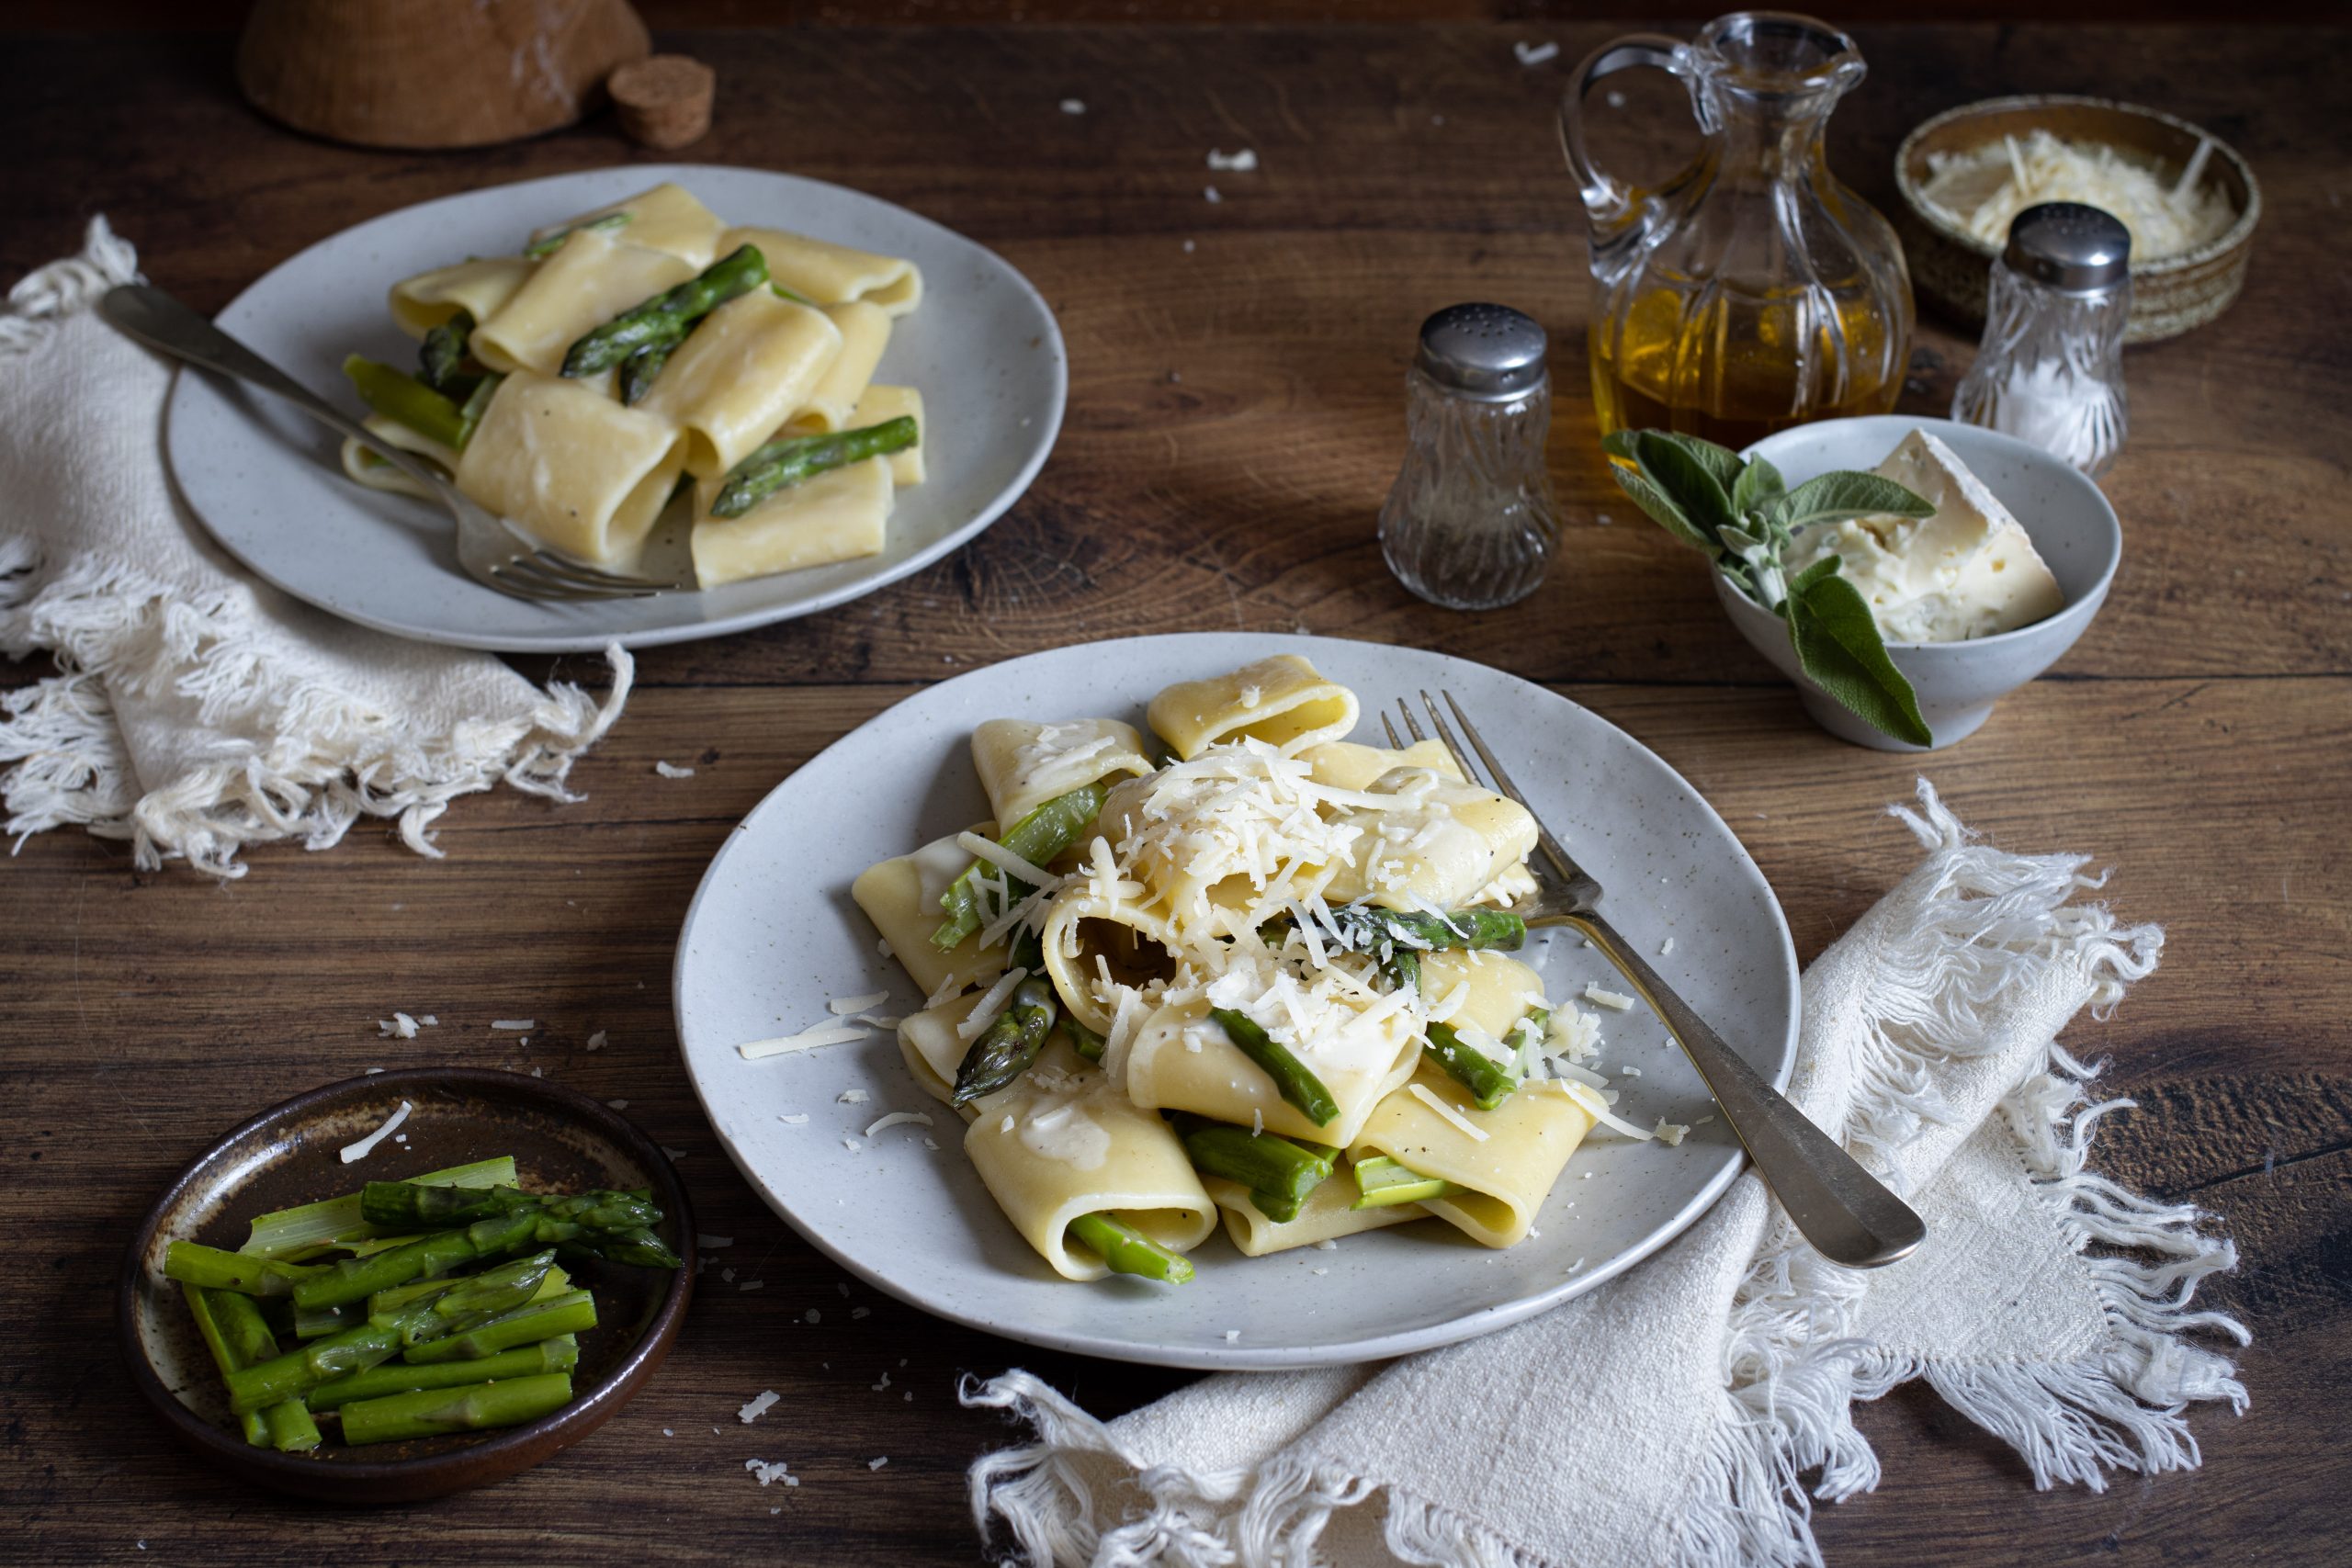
[(1721, 461), (1834, 497), (1839, 647), (1666, 462), (1759, 485), (1660, 507), (1826, 566)]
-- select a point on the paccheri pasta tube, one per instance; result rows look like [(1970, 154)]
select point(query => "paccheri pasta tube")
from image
[(1273, 980), (564, 388)]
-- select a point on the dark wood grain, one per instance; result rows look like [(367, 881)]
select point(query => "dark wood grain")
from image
[(1236, 416)]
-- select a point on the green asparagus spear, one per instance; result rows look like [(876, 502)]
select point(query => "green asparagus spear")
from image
[(1293, 1079), (383, 1304), (1382, 1181), (442, 356), (287, 1423), (1083, 1040), (501, 1235), (1007, 1046), (336, 1222), (670, 315), (1128, 1251), (478, 1407), (295, 1373), (574, 1311), (639, 370), (1470, 1067), (414, 1206), (558, 1355), (638, 1248), (548, 244), (1280, 1172), (1401, 966), (783, 463), (477, 404), (210, 1267), (1367, 928), (402, 398), (224, 1356), (1039, 838)]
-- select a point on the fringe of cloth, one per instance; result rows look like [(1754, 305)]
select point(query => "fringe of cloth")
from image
[(332, 759), (1792, 1368)]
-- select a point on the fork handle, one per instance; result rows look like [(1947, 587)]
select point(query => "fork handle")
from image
[(1848, 1213), (157, 319)]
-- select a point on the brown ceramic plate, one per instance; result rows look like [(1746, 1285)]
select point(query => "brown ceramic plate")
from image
[(1951, 266), (289, 1155)]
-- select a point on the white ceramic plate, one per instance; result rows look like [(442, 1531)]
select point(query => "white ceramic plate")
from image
[(772, 935), (983, 348)]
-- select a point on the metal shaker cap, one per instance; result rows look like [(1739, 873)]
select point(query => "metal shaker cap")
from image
[(1490, 352), (2069, 246)]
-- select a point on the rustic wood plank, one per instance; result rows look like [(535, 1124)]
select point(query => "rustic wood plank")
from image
[(1236, 409), (132, 1044), (1235, 421)]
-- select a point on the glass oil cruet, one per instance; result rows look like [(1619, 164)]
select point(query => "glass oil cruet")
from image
[(1752, 291)]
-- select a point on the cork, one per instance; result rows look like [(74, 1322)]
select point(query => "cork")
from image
[(664, 99)]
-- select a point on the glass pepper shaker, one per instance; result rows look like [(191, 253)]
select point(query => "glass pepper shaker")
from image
[(1470, 523), (2051, 367)]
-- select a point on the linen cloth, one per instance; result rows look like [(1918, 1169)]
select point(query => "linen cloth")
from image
[(198, 710), (1671, 1417)]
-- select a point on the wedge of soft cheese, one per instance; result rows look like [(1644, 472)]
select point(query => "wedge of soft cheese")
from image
[(1967, 572)]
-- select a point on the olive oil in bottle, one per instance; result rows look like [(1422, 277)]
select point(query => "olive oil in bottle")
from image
[(1733, 367)]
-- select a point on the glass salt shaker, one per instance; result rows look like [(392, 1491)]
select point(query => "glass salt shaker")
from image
[(1470, 523), (2051, 367)]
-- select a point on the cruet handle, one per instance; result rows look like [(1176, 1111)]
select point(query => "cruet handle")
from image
[(1606, 199)]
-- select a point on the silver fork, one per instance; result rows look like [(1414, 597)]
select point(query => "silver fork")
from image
[(1844, 1210), (493, 551)]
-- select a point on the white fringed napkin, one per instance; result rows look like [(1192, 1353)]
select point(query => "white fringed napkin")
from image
[(198, 710), (1670, 1417)]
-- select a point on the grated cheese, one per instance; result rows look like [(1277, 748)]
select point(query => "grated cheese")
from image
[(898, 1119), (1241, 163), (984, 1011), (671, 771), (1615, 999), (767, 1472), (1597, 1109), (353, 1153), (1668, 1133), (1985, 188), (1535, 53), (1004, 860), (757, 1407), (513, 1023), (1436, 1102), (795, 1120), (878, 1463), (596, 1041), (842, 1007), (806, 1040), (852, 1096)]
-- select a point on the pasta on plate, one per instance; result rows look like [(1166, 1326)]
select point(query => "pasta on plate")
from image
[(1267, 980), (647, 362)]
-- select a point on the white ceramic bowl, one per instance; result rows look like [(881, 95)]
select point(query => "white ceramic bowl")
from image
[(1957, 683)]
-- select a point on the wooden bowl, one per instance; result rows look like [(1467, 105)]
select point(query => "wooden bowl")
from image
[(287, 1155), (433, 73), (1949, 265)]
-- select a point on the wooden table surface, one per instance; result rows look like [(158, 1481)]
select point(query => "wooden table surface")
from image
[(1234, 418)]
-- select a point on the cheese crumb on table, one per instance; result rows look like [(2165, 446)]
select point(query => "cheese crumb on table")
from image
[(757, 1407), (671, 771)]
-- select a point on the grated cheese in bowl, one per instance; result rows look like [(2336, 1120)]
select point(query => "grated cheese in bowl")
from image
[(1983, 189)]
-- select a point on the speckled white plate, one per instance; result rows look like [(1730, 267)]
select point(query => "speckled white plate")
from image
[(772, 935), (983, 348)]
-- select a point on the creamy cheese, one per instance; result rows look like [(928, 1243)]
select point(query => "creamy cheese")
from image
[(1969, 571)]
